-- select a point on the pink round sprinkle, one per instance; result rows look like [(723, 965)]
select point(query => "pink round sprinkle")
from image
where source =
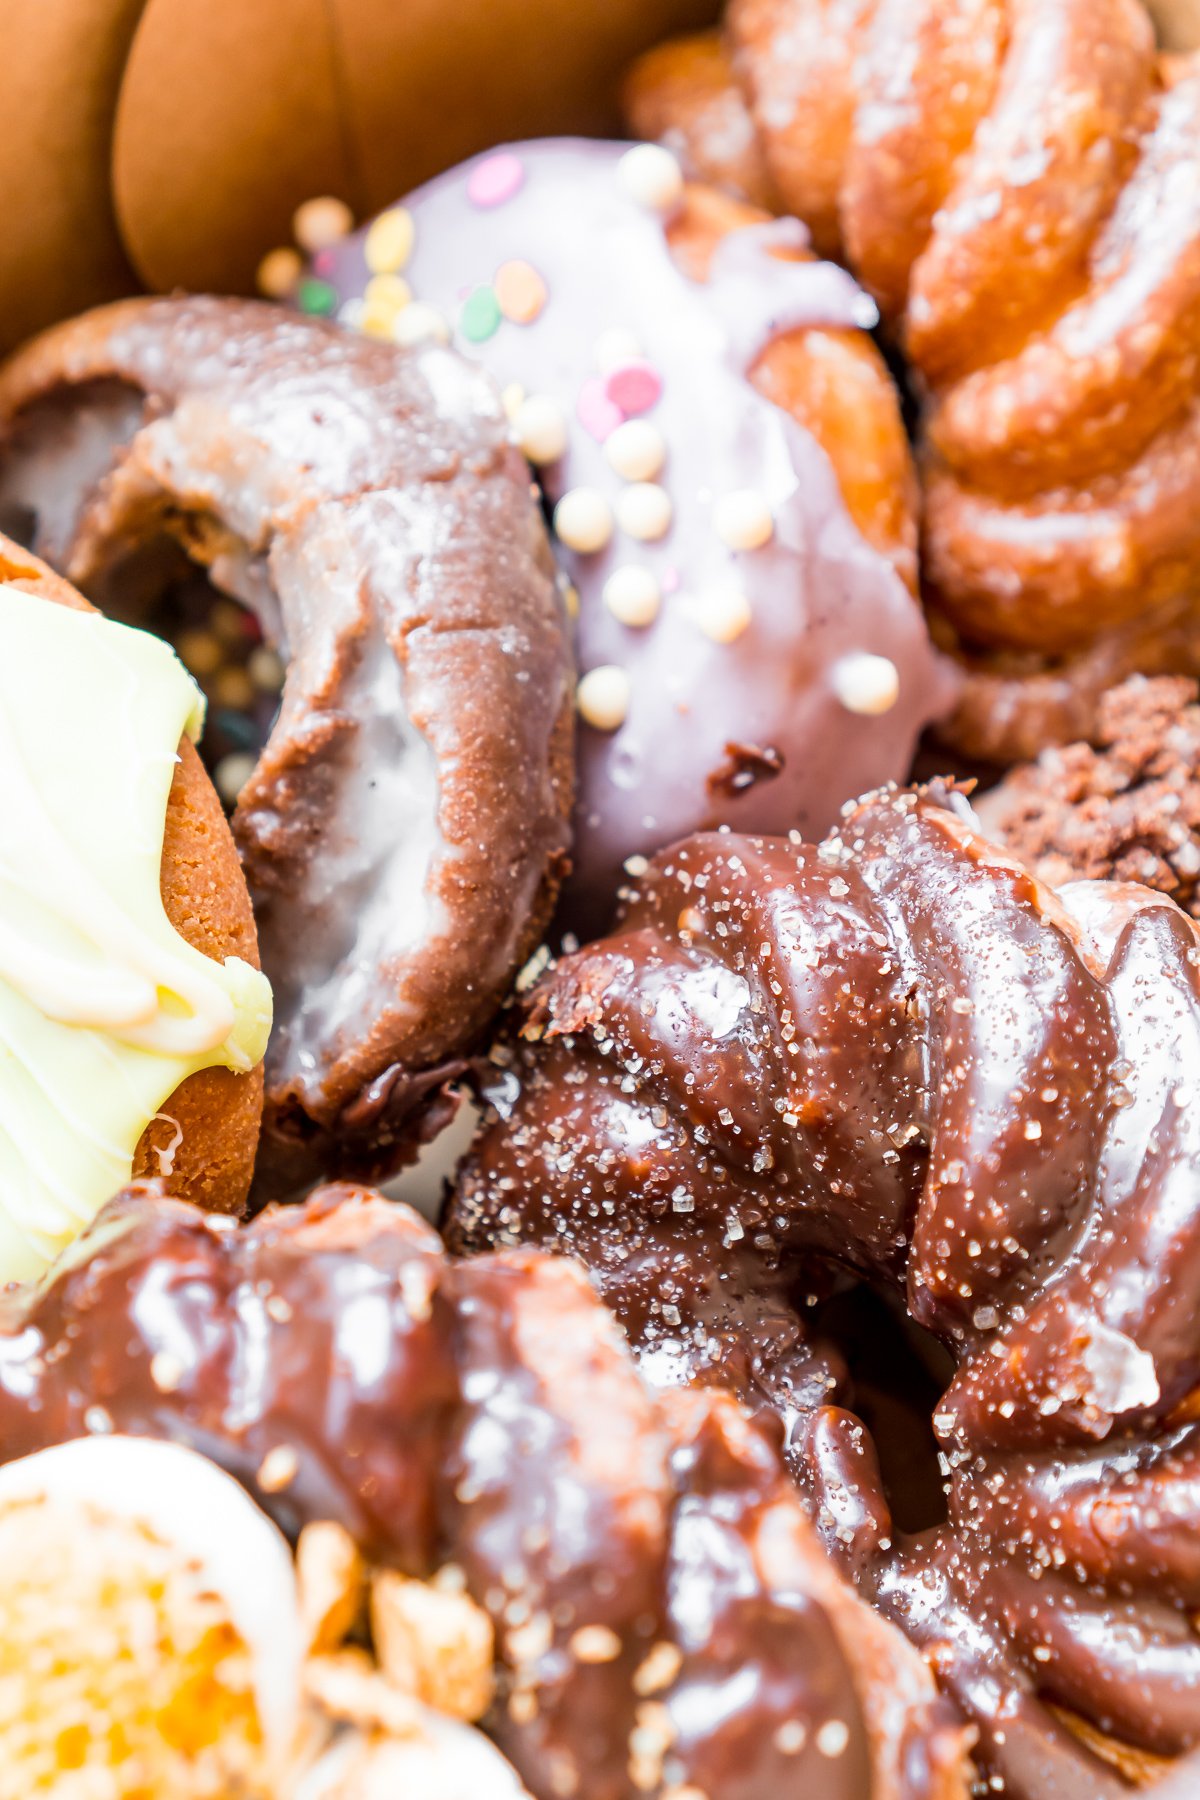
[(596, 411), (495, 179), (323, 262), (634, 386)]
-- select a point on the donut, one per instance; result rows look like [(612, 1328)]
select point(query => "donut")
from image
[(1125, 807), (666, 1620), (897, 1053), (721, 452), (1016, 186), (405, 824), (132, 1013)]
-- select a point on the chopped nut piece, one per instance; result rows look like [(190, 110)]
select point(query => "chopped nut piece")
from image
[(438, 1646), (332, 1581)]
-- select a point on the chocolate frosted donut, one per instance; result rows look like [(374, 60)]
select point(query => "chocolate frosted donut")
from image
[(897, 1052), (404, 829), (730, 483), (119, 889), (666, 1620)]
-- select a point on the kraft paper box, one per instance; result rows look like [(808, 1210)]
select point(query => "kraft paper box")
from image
[(166, 143)]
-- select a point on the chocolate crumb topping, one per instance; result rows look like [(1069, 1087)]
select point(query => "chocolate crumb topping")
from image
[(1125, 806)]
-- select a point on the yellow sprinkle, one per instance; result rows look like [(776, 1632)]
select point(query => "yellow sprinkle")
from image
[(321, 222), (278, 1469), (278, 273), (387, 290), (520, 291), (389, 241)]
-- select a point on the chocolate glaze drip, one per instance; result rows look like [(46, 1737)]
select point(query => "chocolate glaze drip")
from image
[(665, 1616), (897, 1051)]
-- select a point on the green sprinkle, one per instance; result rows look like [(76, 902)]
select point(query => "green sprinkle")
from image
[(480, 315), (315, 296)]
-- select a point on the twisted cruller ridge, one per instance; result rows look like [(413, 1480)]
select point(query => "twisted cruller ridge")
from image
[(897, 1052), (667, 1622), (1018, 184)]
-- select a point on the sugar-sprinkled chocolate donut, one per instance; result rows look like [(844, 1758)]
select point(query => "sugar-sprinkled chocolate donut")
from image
[(666, 1621), (404, 828), (721, 450), (897, 1051)]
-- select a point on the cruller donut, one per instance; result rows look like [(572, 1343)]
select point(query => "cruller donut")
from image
[(721, 449), (133, 1018), (666, 1620), (898, 1052), (1017, 182), (404, 828)]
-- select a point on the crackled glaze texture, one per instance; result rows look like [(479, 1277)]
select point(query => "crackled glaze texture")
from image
[(897, 1052), (666, 1619)]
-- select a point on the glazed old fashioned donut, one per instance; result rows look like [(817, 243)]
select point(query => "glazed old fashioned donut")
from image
[(132, 1014), (721, 449), (404, 827), (898, 1053), (1017, 186), (665, 1618)]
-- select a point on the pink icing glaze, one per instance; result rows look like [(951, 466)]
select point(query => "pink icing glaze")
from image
[(817, 592)]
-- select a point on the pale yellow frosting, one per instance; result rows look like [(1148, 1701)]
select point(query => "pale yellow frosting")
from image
[(104, 1008)]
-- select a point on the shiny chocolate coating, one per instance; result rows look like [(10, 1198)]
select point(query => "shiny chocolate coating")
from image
[(897, 1052), (666, 1618), (817, 593)]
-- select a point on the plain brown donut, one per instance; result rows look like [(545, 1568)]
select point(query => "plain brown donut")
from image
[(205, 898)]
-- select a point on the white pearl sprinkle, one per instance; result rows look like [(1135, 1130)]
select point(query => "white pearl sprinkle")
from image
[(636, 450), (615, 346), (583, 520), (721, 616), (603, 697), (652, 176), (644, 511), (541, 429), (743, 519), (632, 595), (419, 324), (866, 684), (832, 1738)]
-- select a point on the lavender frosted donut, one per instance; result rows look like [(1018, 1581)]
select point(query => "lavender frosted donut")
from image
[(730, 484)]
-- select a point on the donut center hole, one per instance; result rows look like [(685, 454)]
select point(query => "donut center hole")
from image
[(220, 642), (898, 1373)]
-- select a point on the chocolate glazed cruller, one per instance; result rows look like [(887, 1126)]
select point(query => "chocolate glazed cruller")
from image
[(667, 1622), (404, 830), (897, 1051), (1018, 184)]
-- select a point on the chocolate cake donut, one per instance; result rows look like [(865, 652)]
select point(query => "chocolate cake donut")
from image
[(405, 826), (1016, 184), (721, 450), (132, 1015), (666, 1620), (897, 1053)]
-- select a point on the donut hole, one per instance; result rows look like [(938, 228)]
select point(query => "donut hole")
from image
[(59, 452), (221, 643), (897, 1374)]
